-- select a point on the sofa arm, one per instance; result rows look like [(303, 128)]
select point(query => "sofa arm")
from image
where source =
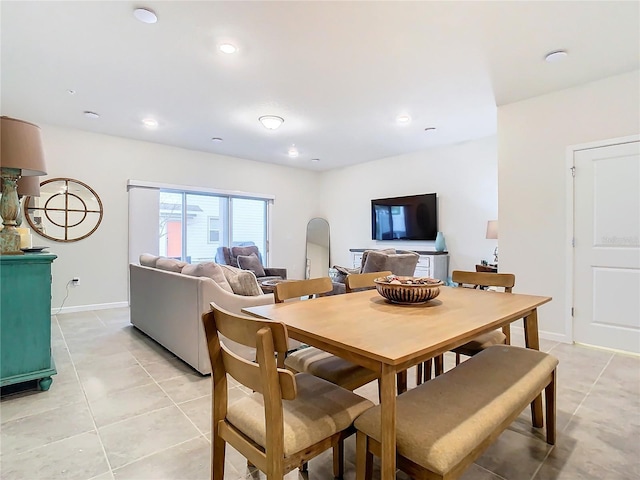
[(276, 272)]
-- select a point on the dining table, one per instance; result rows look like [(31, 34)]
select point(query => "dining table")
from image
[(367, 329)]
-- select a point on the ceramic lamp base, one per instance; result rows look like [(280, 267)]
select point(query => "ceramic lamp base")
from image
[(10, 242)]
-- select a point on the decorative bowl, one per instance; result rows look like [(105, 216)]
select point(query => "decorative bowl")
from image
[(408, 290)]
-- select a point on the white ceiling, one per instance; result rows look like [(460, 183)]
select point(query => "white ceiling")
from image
[(338, 72)]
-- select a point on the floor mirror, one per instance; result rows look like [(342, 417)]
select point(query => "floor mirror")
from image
[(317, 264)]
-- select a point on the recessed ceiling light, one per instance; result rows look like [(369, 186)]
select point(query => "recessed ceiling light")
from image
[(557, 56), (150, 122), (92, 115), (315, 160), (403, 119), (145, 15), (227, 48), (293, 151), (216, 139), (71, 92), (271, 121)]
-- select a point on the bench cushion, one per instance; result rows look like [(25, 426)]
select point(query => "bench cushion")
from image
[(319, 410), (440, 422)]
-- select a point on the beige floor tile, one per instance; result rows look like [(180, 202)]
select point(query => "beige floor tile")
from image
[(27, 433), (77, 458), (131, 402), (97, 384), (187, 387), (130, 440), (171, 368)]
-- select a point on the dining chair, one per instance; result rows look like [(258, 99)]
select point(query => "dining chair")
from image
[(288, 419), (476, 280), (312, 360), (356, 281)]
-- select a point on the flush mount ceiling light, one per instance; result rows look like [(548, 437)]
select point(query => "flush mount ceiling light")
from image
[(428, 129), (150, 122), (271, 121), (145, 15), (315, 160), (557, 56), (227, 48), (92, 115), (403, 119), (216, 140), (293, 151)]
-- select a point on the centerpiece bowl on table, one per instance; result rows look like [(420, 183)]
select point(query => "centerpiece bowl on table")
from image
[(408, 290)]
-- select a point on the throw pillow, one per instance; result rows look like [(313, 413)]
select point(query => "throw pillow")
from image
[(248, 250), (148, 260), (385, 251), (208, 269), (170, 264), (243, 282), (251, 262), (342, 272)]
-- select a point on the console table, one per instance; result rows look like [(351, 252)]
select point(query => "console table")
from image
[(430, 264), (25, 319)]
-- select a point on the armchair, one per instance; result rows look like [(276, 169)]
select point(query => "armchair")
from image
[(229, 256)]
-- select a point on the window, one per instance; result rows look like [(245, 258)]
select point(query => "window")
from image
[(192, 225)]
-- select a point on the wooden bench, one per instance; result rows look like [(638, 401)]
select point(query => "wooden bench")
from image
[(445, 424)]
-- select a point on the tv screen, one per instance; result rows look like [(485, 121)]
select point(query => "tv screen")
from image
[(413, 217)]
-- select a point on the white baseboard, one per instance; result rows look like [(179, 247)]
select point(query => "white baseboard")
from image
[(86, 308), (553, 336)]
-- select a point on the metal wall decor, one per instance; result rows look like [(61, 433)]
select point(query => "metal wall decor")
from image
[(67, 210)]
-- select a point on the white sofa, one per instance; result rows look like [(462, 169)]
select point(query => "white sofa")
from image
[(168, 306)]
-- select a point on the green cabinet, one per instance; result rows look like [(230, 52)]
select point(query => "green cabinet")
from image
[(25, 319)]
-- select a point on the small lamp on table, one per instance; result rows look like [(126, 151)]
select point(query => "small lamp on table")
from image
[(492, 234)]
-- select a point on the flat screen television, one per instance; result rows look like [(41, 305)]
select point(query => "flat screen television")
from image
[(414, 217)]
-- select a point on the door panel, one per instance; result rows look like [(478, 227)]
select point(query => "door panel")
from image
[(607, 247)]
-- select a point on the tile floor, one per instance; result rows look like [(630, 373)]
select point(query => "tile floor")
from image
[(122, 407)]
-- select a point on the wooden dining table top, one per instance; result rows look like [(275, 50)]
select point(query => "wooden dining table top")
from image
[(366, 324)]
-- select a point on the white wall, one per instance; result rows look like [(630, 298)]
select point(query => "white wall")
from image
[(106, 163), (533, 136), (464, 176)]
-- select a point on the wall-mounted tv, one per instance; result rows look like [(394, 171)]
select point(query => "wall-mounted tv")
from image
[(413, 217)]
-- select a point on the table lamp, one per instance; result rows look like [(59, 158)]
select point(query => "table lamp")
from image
[(492, 234), (21, 155)]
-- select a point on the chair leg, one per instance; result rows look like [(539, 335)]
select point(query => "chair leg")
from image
[(550, 404), (507, 333), (217, 457), (338, 459), (419, 373), (364, 458), (401, 378), (427, 369), (304, 467), (457, 359), (439, 365)]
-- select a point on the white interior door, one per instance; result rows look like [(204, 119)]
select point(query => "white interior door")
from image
[(607, 247)]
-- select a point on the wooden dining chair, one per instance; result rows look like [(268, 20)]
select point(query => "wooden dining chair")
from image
[(481, 342), (312, 360), (288, 419), (357, 281)]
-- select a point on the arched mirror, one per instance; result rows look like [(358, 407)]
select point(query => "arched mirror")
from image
[(317, 248), (67, 210)]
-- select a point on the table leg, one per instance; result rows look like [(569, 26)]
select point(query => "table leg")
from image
[(388, 422), (531, 340)]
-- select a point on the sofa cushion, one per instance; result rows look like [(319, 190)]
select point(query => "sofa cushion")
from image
[(148, 260), (365, 254), (170, 264), (251, 262), (247, 250), (208, 269), (243, 282)]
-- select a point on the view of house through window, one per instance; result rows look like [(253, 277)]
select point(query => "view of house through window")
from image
[(193, 225)]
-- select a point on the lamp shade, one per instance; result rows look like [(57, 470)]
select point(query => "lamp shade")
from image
[(21, 147), (492, 229), (29, 186)]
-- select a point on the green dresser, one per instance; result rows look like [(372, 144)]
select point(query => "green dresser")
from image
[(25, 319)]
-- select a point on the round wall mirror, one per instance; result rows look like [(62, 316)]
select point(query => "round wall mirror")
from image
[(67, 210), (317, 248)]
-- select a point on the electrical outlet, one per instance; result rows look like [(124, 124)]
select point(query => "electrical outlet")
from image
[(75, 281)]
